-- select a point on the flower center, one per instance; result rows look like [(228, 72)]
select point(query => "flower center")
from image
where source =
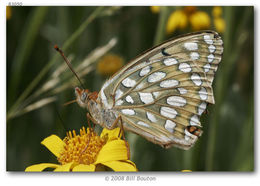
[(82, 148)]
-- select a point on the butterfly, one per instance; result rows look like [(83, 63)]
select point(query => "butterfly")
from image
[(162, 93)]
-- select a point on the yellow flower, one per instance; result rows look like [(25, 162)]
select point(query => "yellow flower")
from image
[(199, 21), (217, 11), (8, 12), (109, 64), (155, 9), (87, 152), (190, 9), (220, 24), (178, 19)]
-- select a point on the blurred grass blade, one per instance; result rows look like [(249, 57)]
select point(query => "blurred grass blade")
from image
[(110, 10), (37, 105), (55, 84), (43, 72), (160, 30), (24, 48), (96, 54), (220, 91), (86, 66), (223, 79), (54, 79), (246, 143)]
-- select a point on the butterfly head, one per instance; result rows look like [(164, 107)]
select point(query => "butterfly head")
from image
[(82, 96)]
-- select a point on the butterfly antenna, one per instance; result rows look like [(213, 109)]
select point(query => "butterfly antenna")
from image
[(68, 63)]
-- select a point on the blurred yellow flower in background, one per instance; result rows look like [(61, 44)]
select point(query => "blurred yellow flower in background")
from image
[(87, 152), (217, 11), (177, 20), (8, 12), (219, 22), (189, 9), (191, 16), (155, 9), (181, 18), (199, 21), (109, 64)]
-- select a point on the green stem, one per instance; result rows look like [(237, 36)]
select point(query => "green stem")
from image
[(220, 93), (222, 84), (160, 30), (33, 84), (246, 142)]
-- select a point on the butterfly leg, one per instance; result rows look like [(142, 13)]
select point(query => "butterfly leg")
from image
[(123, 135), (89, 118), (118, 122)]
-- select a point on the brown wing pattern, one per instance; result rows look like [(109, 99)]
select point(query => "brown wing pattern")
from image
[(165, 90)]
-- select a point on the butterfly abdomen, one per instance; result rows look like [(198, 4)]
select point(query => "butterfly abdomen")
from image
[(104, 116), (108, 118)]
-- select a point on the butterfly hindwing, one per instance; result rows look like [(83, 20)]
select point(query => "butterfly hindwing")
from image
[(165, 90)]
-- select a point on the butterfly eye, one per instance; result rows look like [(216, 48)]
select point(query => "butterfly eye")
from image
[(83, 96)]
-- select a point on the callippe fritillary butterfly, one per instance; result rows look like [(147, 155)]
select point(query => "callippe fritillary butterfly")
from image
[(162, 93)]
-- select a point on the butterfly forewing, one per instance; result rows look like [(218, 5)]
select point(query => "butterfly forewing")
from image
[(165, 90)]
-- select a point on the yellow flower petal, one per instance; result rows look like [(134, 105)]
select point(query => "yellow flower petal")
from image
[(199, 20), (114, 133), (132, 163), (120, 166), (40, 167), (54, 144), (65, 168), (220, 24), (84, 168), (111, 151), (178, 19)]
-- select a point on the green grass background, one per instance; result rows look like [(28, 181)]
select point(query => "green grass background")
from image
[(227, 143)]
